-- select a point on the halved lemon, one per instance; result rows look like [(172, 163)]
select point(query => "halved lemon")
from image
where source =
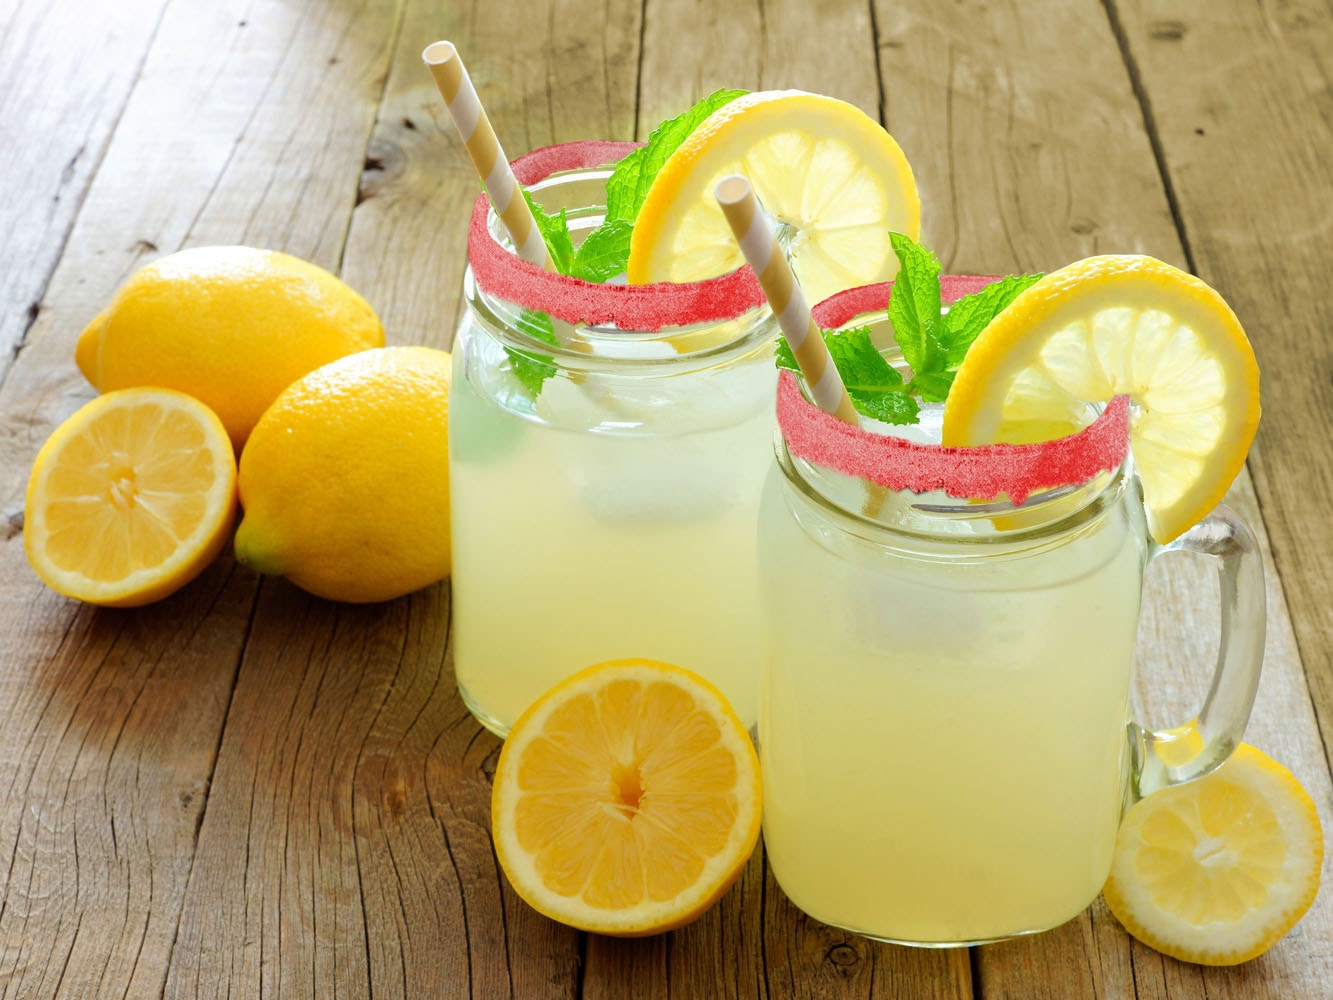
[(835, 182), (627, 799), (1113, 325), (1215, 871), (130, 498)]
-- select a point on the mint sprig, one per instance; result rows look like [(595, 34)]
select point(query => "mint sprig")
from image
[(604, 252), (933, 342)]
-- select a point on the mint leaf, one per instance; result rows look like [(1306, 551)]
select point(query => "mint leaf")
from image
[(862, 367), (603, 254), (874, 385), (933, 387), (971, 314), (887, 407), (555, 233), (529, 368), (933, 345), (622, 187), (914, 305)]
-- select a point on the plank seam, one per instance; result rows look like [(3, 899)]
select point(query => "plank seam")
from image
[(356, 841), (1177, 216), (638, 76), (879, 71), (1149, 127), (208, 781), (395, 35)]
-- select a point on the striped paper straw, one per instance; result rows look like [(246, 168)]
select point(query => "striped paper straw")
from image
[(455, 86), (755, 235)]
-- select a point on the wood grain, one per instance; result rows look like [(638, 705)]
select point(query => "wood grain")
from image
[(1042, 159), (65, 74), (826, 48), (361, 781), (112, 719)]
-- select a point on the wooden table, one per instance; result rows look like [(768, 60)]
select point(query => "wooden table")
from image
[(244, 791)]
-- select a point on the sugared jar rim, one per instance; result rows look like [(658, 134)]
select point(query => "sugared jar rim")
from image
[(648, 308), (983, 473)]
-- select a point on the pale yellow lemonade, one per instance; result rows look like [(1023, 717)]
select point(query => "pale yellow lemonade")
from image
[(943, 733), (614, 517)]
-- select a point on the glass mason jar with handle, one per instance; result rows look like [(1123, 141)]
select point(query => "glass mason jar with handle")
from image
[(945, 731), (608, 446)]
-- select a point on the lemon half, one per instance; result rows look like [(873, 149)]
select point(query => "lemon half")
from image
[(627, 799), (130, 498)]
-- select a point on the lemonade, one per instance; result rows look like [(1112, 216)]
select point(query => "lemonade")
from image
[(616, 519), (953, 771)]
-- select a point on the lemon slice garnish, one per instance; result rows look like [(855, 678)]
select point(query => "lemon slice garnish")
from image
[(835, 182), (1115, 325)]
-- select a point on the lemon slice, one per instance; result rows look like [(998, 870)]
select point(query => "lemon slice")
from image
[(130, 498), (1215, 871), (1116, 325), (833, 179), (626, 800)]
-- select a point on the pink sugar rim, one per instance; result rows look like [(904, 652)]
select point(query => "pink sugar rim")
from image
[(646, 308), (983, 472)]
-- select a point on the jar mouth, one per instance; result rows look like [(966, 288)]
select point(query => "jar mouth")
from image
[(500, 274), (877, 514), (906, 481)]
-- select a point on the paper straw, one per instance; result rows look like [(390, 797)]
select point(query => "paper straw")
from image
[(755, 235), (455, 86)]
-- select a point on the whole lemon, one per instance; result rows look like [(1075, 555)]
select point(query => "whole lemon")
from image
[(231, 326), (345, 479)]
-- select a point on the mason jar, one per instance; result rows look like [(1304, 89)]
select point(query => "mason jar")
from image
[(945, 733), (607, 450)]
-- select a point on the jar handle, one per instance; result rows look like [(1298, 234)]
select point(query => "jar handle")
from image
[(1190, 751)]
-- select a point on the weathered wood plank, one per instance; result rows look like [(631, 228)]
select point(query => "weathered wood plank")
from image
[(1030, 151), (1240, 100), (391, 850), (718, 953), (1254, 223), (1023, 132), (66, 71), (111, 720), (693, 47), (825, 49), (408, 240)]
